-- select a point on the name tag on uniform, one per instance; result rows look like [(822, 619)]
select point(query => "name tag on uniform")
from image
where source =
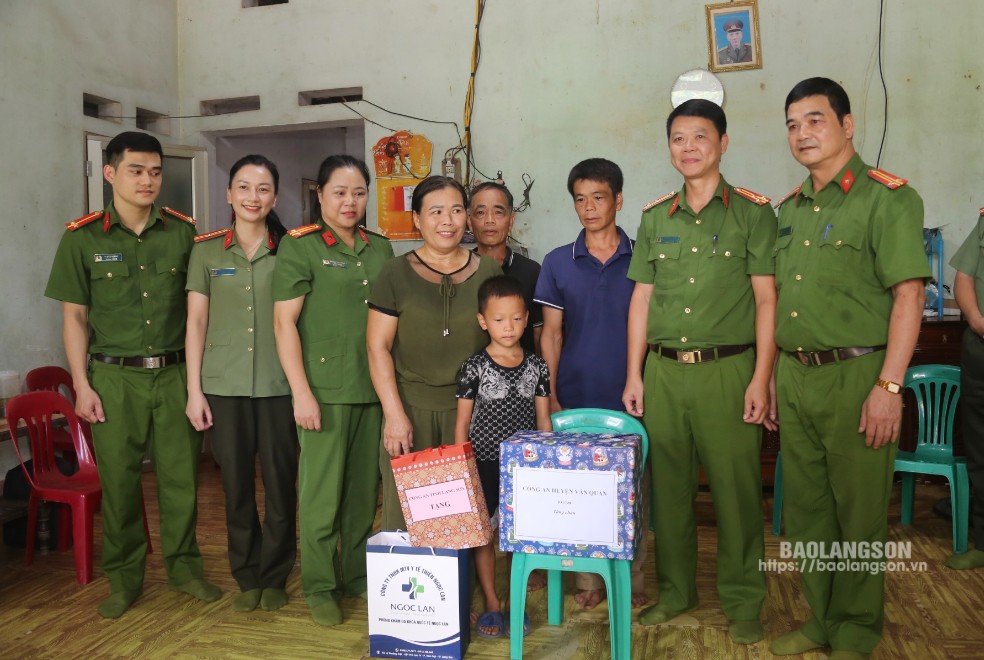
[(334, 264), (785, 231), (102, 258), (218, 272), (666, 239)]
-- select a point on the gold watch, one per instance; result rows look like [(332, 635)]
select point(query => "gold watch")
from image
[(894, 388)]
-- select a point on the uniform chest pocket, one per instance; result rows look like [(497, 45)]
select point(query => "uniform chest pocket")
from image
[(111, 284), (665, 259), (728, 264), (781, 253), (841, 255), (324, 361), (171, 276)]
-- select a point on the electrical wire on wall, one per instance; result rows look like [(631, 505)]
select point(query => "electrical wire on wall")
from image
[(470, 94), (881, 72)]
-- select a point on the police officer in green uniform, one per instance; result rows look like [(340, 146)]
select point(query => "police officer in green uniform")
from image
[(120, 274), (237, 390), (323, 277), (850, 266), (968, 289), (704, 298)]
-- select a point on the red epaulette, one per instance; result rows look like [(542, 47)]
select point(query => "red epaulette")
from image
[(182, 216), (657, 202), (211, 234), (787, 197), (303, 231), (751, 196), (890, 181), (84, 220), (370, 231)]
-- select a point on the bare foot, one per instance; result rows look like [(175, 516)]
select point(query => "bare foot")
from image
[(588, 599), (537, 582), (639, 599), (474, 616)]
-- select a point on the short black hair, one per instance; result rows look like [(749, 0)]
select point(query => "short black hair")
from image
[(499, 286), (700, 108), (835, 94), (596, 169), (432, 184), (132, 141), (492, 185)]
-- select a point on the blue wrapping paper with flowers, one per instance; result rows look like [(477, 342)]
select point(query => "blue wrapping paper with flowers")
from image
[(570, 494)]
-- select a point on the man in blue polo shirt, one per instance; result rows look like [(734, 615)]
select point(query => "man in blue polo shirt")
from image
[(585, 292)]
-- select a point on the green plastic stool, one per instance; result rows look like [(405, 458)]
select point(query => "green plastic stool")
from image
[(617, 573)]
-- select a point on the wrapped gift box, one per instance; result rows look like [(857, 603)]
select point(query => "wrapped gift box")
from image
[(441, 497), (570, 494)]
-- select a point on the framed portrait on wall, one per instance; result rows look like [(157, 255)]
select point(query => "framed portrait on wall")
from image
[(733, 36)]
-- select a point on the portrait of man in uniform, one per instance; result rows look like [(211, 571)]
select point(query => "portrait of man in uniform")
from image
[(732, 36)]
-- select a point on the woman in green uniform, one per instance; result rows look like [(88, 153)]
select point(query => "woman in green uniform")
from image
[(236, 388), (421, 328), (323, 277)]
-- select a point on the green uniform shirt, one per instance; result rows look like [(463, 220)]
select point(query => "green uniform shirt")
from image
[(133, 286), (426, 359), (336, 281), (839, 252), (240, 351), (969, 259), (700, 266)]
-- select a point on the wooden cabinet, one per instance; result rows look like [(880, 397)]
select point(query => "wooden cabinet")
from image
[(939, 343)]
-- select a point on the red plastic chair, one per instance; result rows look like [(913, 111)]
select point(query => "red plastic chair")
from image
[(57, 379), (80, 491)]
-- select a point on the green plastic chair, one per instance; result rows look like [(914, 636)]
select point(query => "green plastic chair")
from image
[(617, 573), (937, 390)]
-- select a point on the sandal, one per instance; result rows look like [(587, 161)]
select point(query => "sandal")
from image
[(491, 620)]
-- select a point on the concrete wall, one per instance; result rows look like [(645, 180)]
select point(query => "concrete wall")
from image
[(561, 81), (52, 52)]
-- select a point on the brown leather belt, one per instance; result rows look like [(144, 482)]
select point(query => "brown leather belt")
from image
[(699, 355), (153, 362), (820, 358)]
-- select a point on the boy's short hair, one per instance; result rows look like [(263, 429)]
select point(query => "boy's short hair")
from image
[(131, 141), (500, 286)]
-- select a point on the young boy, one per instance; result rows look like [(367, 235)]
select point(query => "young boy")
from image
[(501, 390)]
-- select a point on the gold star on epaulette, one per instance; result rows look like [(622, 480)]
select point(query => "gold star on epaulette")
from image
[(890, 181), (752, 196), (657, 202), (211, 234), (182, 216), (84, 220), (297, 232), (785, 199)]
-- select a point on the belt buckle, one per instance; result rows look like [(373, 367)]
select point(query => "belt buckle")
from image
[(688, 357), (153, 362)]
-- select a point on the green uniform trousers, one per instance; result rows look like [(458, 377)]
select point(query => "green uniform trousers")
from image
[(431, 428), (244, 427), (338, 487), (693, 417), (835, 489), (141, 406), (972, 405)]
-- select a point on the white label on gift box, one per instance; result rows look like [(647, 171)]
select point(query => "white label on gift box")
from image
[(566, 506), (438, 500)]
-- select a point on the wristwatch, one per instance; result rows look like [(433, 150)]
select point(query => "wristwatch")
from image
[(894, 388)]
